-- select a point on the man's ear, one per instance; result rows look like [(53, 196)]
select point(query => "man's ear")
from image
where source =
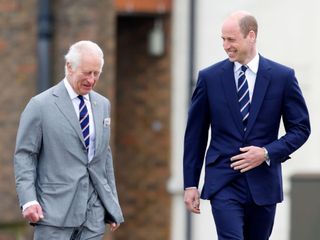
[(69, 67), (252, 36)]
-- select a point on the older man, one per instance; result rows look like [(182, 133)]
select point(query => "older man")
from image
[(63, 162)]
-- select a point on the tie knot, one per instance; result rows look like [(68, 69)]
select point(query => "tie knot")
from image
[(80, 97), (244, 68)]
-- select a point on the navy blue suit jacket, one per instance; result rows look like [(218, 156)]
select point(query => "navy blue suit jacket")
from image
[(214, 104)]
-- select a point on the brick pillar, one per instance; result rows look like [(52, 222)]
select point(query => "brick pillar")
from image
[(142, 131)]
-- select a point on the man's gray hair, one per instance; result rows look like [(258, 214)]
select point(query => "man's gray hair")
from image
[(82, 47)]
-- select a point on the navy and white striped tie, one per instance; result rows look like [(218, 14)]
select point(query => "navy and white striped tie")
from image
[(243, 95), (84, 121)]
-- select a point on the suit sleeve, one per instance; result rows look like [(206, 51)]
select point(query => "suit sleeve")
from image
[(296, 122), (196, 135), (28, 144)]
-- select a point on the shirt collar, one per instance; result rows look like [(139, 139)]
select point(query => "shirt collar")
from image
[(71, 92), (252, 65)]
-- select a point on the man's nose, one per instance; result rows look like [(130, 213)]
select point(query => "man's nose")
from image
[(91, 77), (225, 45)]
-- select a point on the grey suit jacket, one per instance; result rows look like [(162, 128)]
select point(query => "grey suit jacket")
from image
[(51, 162)]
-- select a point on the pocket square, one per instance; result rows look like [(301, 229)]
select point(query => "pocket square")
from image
[(106, 122)]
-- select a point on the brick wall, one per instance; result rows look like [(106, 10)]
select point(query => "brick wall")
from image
[(143, 6), (139, 92), (142, 131), (18, 79)]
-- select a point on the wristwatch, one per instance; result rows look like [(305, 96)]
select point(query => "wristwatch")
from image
[(266, 154)]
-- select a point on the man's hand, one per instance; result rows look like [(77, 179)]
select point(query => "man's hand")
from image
[(114, 226), (250, 157), (192, 200), (33, 213)]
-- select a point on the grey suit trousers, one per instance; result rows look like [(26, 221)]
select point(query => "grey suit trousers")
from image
[(43, 232), (93, 227)]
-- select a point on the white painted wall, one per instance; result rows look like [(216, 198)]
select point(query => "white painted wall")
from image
[(289, 32), (179, 106)]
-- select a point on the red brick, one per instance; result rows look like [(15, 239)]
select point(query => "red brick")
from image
[(3, 45), (7, 6), (142, 153)]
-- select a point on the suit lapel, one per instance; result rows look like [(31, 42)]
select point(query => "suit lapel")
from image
[(260, 88), (97, 113), (228, 82), (65, 105)]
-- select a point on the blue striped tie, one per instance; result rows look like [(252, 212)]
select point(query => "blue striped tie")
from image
[(243, 95), (84, 121)]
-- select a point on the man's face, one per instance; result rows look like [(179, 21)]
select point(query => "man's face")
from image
[(238, 47), (84, 77)]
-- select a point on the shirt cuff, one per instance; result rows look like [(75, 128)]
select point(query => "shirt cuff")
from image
[(190, 188), (268, 162), (266, 156), (28, 204)]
